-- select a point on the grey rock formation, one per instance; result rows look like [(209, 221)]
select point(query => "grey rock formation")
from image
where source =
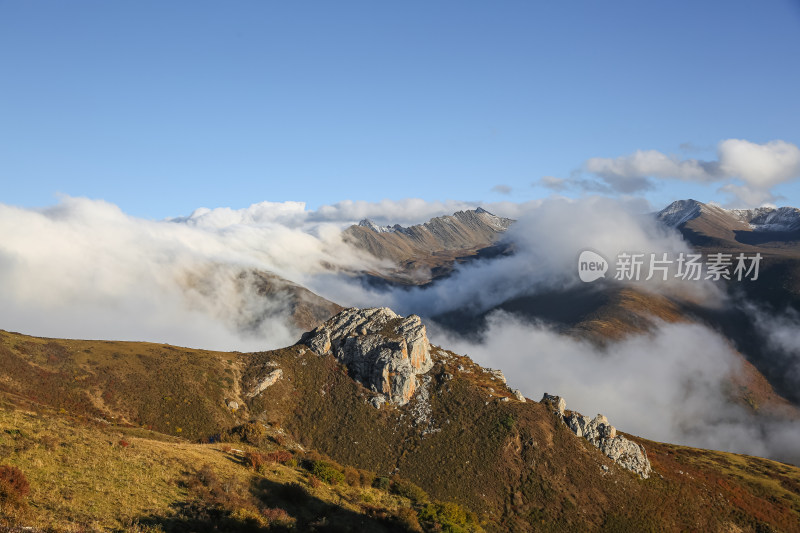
[(603, 435), (627, 454), (265, 382), (556, 402), (497, 374), (382, 350), (518, 395)]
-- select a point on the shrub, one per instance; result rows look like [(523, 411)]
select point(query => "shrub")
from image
[(14, 486), (507, 422), (366, 478), (255, 460), (253, 433), (408, 520), (280, 456), (314, 482), (277, 516), (351, 476), (382, 483), (449, 517), (325, 471), (406, 489), (124, 443)]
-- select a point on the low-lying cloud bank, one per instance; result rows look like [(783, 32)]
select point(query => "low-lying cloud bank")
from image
[(548, 239), (671, 385), (406, 212), (85, 269)]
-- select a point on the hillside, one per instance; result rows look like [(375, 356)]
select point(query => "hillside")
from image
[(606, 311), (82, 475), (368, 390), (305, 309), (426, 251)]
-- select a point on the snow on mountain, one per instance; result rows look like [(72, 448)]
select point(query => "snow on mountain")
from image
[(758, 219), (680, 212), (367, 223)]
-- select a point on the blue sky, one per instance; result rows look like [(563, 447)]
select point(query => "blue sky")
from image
[(163, 107)]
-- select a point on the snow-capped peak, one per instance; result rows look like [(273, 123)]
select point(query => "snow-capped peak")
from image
[(759, 219), (367, 223), (680, 212)]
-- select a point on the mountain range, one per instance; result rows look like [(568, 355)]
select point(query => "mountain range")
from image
[(365, 425), (427, 251)]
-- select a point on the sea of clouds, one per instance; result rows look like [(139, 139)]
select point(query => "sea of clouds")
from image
[(85, 269)]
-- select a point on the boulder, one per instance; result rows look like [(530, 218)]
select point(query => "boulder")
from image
[(627, 454), (382, 350)]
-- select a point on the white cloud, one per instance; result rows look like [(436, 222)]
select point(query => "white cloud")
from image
[(407, 211), (553, 183), (751, 170), (289, 214), (83, 269), (629, 173), (747, 196), (668, 385), (760, 166), (548, 237)]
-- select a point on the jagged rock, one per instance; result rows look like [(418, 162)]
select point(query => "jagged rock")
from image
[(498, 374), (627, 454), (265, 382), (377, 401), (382, 350), (557, 402), (518, 395), (577, 423), (604, 436)]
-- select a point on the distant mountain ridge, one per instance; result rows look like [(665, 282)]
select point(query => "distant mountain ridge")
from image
[(423, 250), (780, 219)]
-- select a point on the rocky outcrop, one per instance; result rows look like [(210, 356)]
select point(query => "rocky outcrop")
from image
[(556, 402), (382, 350), (266, 381), (603, 435)]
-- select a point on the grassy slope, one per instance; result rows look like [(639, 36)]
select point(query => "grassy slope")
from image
[(513, 462), (83, 478), (172, 390), (530, 474)]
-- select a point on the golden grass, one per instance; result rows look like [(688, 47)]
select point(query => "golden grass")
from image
[(98, 478), (81, 476)]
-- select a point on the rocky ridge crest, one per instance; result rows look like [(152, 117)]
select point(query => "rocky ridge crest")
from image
[(603, 435), (383, 351)]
